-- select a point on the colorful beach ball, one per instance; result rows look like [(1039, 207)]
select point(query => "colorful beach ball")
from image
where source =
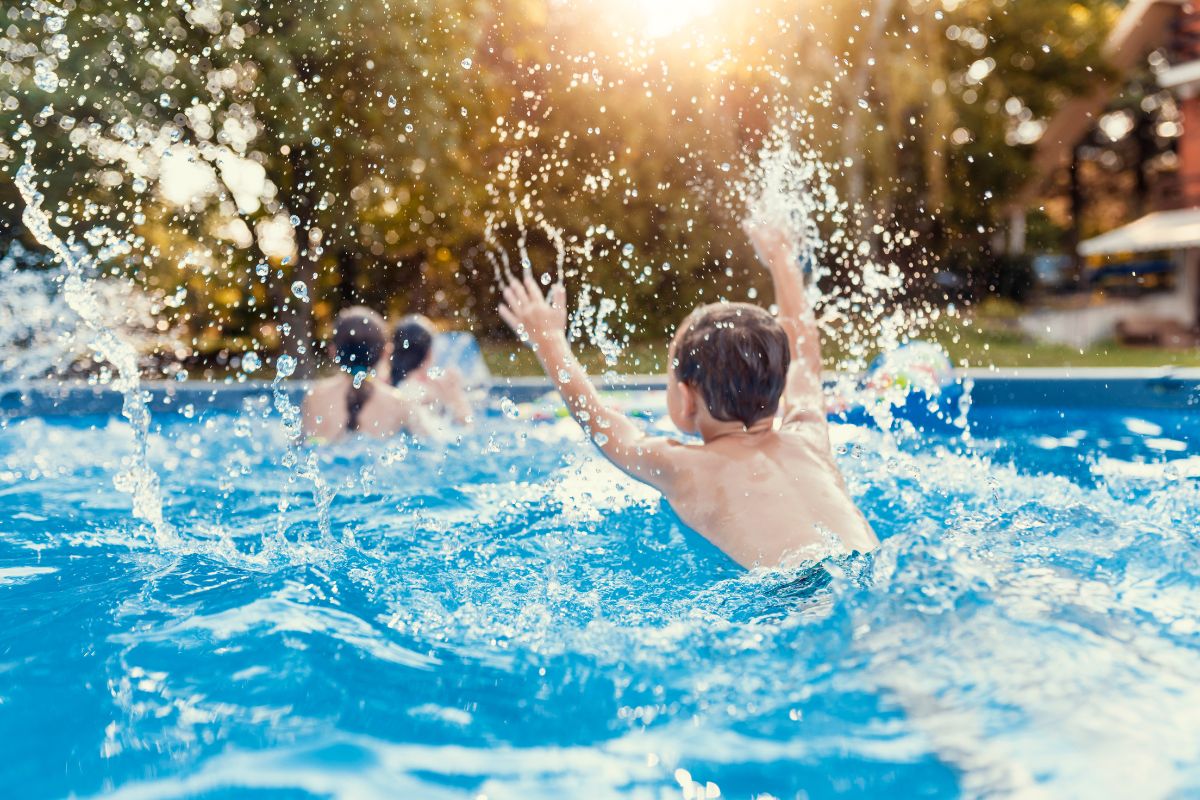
[(919, 366)]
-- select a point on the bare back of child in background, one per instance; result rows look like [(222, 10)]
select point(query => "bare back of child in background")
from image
[(413, 372), (355, 400)]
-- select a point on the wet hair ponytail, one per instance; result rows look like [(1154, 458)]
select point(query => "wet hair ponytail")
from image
[(359, 338), (411, 342)]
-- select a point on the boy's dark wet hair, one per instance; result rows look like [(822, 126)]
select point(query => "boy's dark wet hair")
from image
[(736, 356), (411, 342), (359, 339)]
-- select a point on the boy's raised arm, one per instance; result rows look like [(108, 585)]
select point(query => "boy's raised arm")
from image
[(541, 323), (778, 250)]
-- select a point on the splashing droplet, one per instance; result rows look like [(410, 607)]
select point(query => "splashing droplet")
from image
[(285, 365)]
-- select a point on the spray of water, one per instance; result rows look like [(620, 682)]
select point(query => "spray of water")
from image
[(138, 479), (300, 460), (36, 342), (850, 254), (515, 192)]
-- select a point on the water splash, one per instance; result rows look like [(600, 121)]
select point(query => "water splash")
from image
[(855, 284), (37, 339), (515, 194), (542, 586), (138, 479), (301, 462)]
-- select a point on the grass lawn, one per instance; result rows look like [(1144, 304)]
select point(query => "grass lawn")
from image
[(982, 342)]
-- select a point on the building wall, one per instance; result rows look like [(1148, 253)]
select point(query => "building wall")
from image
[(1189, 153)]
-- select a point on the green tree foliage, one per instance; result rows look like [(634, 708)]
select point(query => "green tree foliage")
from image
[(382, 152)]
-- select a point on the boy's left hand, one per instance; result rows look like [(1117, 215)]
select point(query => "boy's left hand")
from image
[(535, 318), (775, 246)]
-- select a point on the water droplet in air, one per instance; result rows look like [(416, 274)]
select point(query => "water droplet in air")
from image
[(627, 250), (251, 362), (261, 270), (300, 289), (54, 24), (391, 101), (509, 408), (285, 365), (366, 477), (45, 79), (467, 63), (395, 453)]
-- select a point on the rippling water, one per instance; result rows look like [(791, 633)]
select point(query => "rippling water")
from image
[(509, 616)]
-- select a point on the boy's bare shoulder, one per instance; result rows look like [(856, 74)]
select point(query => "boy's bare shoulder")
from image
[(661, 461)]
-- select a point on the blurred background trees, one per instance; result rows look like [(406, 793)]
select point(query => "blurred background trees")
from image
[(278, 161)]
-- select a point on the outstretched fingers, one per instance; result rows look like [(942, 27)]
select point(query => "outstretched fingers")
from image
[(558, 296), (514, 295), (510, 319), (531, 285)]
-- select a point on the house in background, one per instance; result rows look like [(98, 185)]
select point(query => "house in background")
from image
[(1163, 246)]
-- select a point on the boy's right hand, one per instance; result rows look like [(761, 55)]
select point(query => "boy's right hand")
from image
[(535, 318)]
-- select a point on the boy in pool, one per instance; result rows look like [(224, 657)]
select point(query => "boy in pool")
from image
[(766, 491)]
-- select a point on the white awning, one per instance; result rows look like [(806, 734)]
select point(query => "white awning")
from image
[(1181, 76), (1162, 230)]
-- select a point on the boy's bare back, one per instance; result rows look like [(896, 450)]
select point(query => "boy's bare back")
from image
[(767, 498)]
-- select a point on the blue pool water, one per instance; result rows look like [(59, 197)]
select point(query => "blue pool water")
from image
[(509, 617)]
